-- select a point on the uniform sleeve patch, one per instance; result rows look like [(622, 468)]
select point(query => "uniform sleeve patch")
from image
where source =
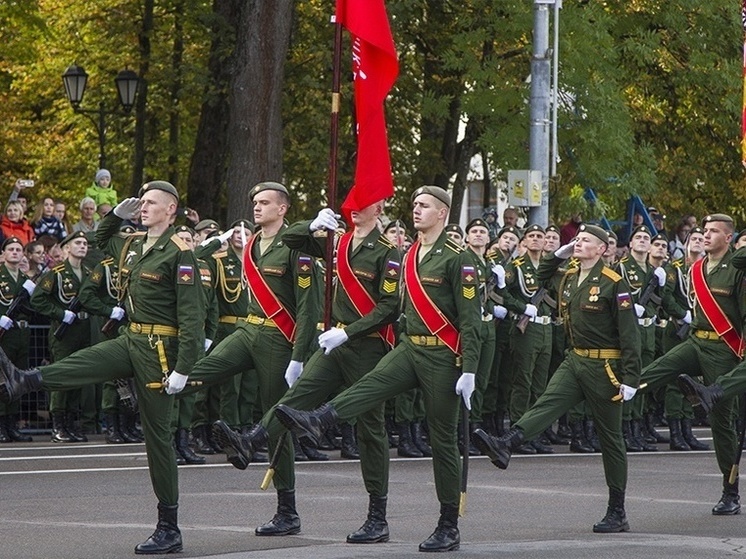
[(186, 275), (46, 284), (392, 269), (624, 300), (305, 264), (468, 275)]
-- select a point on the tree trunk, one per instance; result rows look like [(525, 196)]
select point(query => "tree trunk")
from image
[(138, 165), (255, 127), (174, 124)]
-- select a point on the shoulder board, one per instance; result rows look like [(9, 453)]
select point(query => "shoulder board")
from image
[(518, 261), (385, 242), (107, 262), (573, 270), (138, 234), (624, 259), (179, 243), (58, 268), (678, 263), (220, 254), (611, 274), (453, 246)]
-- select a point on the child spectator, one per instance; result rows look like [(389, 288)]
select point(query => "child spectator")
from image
[(101, 190)]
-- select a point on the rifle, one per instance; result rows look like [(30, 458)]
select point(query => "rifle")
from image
[(649, 294), (541, 294), (682, 330), (74, 306), (112, 323), (16, 307)]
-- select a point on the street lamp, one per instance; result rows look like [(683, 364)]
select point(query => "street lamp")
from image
[(75, 79)]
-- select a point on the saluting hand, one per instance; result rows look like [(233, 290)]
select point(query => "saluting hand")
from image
[(127, 208), (565, 251), (465, 388)]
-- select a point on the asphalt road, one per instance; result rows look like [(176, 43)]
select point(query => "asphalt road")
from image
[(94, 501)]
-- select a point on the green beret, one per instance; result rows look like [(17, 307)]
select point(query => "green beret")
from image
[(717, 217), (477, 222), (454, 228), (509, 229), (269, 185), (641, 229), (596, 231), (395, 223), (246, 224), (532, 228), (185, 229), (659, 237), (72, 236), (436, 191), (165, 186), (10, 241), (612, 235), (552, 228), (206, 224)]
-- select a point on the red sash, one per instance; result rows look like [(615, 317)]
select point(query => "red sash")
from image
[(267, 300), (435, 321), (360, 298), (712, 310)]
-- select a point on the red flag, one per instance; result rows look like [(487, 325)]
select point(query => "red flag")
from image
[(375, 67)]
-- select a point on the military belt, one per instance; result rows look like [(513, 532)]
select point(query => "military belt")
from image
[(320, 328), (662, 323), (83, 315), (487, 318), (707, 335), (426, 340), (646, 322), (261, 321), (228, 319), (598, 353), (153, 329), (539, 319), (22, 323)]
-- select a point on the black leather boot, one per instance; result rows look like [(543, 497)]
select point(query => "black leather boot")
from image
[(178, 458), (14, 382), (589, 428), (308, 424), (677, 440), (128, 427), (59, 430), (15, 435), (579, 443), (499, 449), (167, 537), (406, 447), (375, 529), (113, 435), (312, 453), (201, 446), (691, 440), (299, 455), (349, 444), (730, 502), (75, 433), (446, 535), (541, 448), (286, 522), (555, 438), (419, 439), (391, 432), (501, 418), (183, 448), (629, 441), (239, 449), (636, 426), (649, 424), (563, 429), (4, 436), (699, 394), (615, 519)]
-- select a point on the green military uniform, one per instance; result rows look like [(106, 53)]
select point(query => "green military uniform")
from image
[(600, 325), (258, 344), (420, 360), (165, 304)]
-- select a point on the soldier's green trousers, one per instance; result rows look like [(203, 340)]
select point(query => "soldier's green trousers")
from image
[(709, 359), (15, 344), (484, 371), (500, 384), (576, 380), (434, 370), (77, 336), (130, 355), (532, 352), (675, 405), (264, 349), (323, 376)]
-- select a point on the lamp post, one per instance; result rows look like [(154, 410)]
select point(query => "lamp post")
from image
[(75, 79)]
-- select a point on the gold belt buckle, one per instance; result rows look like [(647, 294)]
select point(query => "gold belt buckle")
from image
[(137, 328), (423, 340)]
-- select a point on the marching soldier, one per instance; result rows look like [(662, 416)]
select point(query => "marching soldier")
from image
[(602, 368), (55, 299), (165, 304), (15, 287), (440, 339), (366, 303)]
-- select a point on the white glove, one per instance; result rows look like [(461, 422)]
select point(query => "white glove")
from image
[(6, 323), (660, 273), (225, 236), (127, 208), (639, 310), (500, 312), (531, 310), (334, 337), (627, 392), (499, 272), (465, 388), (29, 286), (117, 313), (69, 317), (175, 383), (326, 219), (565, 251), (295, 368), (208, 343), (687, 317)]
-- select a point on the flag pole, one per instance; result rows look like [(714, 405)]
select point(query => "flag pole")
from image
[(332, 186)]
